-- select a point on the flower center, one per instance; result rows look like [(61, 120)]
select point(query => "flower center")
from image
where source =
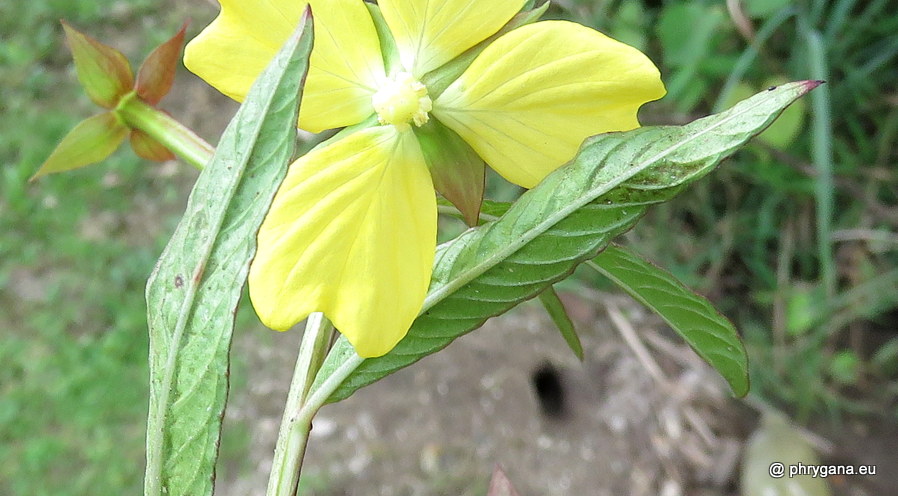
[(401, 100)]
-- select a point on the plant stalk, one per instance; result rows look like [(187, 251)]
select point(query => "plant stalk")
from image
[(163, 128), (294, 432)]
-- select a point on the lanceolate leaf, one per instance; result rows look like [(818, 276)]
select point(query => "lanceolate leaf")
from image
[(567, 219), (709, 333), (157, 73), (193, 292), (555, 308), (102, 70), (91, 141)]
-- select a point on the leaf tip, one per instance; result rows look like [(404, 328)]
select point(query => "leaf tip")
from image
[(740, 386), (156, 74), (103, 71), (500, 485), (812, 84), (805, 86)]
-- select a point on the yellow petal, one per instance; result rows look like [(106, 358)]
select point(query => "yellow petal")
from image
[(430, 33), (530, 99), (346, 64), (234, 49), (351, 233)]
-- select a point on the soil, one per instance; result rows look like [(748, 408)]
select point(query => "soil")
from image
[(439, 426)]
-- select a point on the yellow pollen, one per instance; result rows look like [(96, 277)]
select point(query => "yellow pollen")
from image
[(401, 100)]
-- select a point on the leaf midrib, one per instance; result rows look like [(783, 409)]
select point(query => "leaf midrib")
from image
[(466, 276), (185, 309)]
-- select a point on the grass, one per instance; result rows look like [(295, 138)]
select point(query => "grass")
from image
[(794, 238), (74, 256), (788, 234)]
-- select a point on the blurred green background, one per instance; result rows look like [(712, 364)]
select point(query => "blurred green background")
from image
[(794, 239)]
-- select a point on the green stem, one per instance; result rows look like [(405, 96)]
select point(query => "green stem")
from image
[(821, 151), (294, 433), (164, 129), (320, 395)]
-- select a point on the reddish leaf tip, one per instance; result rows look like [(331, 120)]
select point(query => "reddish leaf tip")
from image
[(157, 73), (812, 84), (500, 485)]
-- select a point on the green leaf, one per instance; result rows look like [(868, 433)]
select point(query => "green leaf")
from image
[(489, 210), (192, 294), (568, 218), (103, 71), (157, 73), (845, 367), (805, 307), (91, 141), (693, 317), (553, 305), (787, 127)]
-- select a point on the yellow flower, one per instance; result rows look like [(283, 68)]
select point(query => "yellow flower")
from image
[(352, 230)]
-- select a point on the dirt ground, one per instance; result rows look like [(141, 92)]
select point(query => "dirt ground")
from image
[(660, 424)]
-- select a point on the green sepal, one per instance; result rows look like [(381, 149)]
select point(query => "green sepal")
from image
[(157, 73), (91, 141), (145, 146), (439, 79), (103, 71), (387, 43), (458, 173), (555, 308)]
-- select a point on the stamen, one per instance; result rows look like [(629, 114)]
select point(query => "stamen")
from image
[(402, 100)]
